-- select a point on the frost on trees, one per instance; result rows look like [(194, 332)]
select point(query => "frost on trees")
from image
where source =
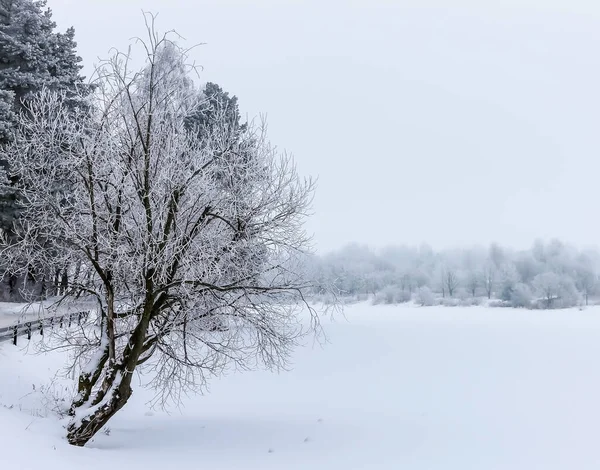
[(33, 56), (184, 226)]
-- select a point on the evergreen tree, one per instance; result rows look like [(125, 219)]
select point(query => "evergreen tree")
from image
[(33, 55), (217, 114), (216, 106)]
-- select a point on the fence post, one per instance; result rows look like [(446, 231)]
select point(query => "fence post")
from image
[(41, 327), (70, 319), (15, 334), (28, 325)]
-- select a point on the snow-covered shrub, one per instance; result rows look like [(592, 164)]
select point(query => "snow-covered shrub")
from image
[(509, 279), (556, 291), (470, 302), (425, 297), (392, 295), (404, 297), (462, 294), (547, 286), (521, 296), (448, 302), (569, 296)]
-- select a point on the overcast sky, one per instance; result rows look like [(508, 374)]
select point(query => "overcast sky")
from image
[(451, 122)]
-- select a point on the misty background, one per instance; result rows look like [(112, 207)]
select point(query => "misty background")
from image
[(424, 123)]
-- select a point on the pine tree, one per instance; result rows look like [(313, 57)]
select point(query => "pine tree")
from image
[(218, 111), (216, 106), (33, 55)]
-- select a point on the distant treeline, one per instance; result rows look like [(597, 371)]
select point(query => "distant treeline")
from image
[(548, 275)]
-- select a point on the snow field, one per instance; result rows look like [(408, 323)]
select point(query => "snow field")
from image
[(396, 387)]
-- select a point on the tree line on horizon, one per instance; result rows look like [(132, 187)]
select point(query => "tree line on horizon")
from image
[(547, 275)]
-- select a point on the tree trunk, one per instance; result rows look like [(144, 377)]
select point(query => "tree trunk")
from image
[(43, 288), (56, 281), (12, 284), (90, 415), (87, 381), (64, 281), (80, 431)]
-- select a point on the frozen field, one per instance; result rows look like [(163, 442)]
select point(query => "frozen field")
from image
[(396, 388)]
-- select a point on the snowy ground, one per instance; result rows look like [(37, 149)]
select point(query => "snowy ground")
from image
[(397, 387), (12, 313)]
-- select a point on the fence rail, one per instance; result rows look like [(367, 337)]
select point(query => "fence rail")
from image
[(28, 328)]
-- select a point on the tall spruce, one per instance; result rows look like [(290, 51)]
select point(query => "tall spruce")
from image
[(33, 55)]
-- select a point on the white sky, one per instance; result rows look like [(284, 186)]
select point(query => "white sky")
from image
[(451, 122)]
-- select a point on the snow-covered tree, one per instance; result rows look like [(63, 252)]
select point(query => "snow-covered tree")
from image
[(33, 55), (475, 269), (425, 297), (451, 280), (497, 255), (568, 294), (527, 267), (548, 287), (489, 278), (509, 277), (586, 277), (188, 237), (521, 296), (472, 282)]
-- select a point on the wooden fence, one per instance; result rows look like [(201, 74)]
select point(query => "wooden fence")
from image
[(27, 328)]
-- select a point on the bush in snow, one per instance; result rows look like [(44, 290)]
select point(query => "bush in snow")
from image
[(521, 296), (547, 286), (425, 297), (462, 294), (450, 302), (470, 302), (569, 296), (556, 291), (392, 295)]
